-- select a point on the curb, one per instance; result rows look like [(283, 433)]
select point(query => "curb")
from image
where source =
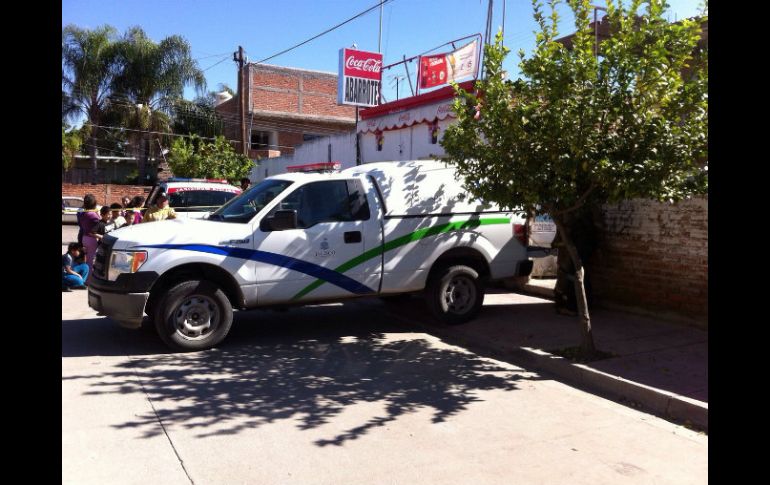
[(538, 291), (664, 404), (667, 405)]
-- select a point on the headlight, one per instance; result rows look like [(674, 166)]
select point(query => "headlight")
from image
[(125, 262)]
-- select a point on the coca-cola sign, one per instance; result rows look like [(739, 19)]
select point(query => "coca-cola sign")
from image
[(363, 64), (360, 78)]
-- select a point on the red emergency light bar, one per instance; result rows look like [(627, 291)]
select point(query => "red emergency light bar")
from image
[(179, 179), (315, 167)]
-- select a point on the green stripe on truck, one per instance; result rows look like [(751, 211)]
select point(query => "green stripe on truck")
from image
[(403, 240)]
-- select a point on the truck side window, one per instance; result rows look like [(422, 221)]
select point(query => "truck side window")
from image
[(330, 201)]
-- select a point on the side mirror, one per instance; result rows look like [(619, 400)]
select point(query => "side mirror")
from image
[(280, 221)]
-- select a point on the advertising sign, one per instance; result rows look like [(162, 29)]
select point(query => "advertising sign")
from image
[(360, 78), (439, 69)]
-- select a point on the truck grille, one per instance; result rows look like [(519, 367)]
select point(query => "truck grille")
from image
[(102, 258)]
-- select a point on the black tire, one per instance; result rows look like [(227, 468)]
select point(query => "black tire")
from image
[(193, 315), (454, 294)]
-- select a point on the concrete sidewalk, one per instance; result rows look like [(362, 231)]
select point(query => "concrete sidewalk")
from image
[(659, 366)]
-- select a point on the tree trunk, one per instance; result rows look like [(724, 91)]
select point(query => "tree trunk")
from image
[(587, 347), (94, 161), (143, 158)]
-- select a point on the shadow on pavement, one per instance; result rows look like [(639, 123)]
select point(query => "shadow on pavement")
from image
[(307, 365), (656, 353)]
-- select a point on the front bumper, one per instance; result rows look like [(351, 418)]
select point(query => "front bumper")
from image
[(125, 308), (122, 300)]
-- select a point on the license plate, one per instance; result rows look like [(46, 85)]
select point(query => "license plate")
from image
[(544, 227)]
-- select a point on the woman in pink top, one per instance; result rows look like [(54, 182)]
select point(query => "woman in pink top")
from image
[(87, 220)]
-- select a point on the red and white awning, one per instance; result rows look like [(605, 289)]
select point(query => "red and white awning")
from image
[(408, 117)]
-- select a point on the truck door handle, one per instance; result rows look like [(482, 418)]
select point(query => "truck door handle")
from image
[(352, 237), (234, 241)]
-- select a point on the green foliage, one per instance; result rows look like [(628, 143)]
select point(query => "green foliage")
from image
[(71, 142), (89, 67), (198, 158), (580, 129), (197, 118)]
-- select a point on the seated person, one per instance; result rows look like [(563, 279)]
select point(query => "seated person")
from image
[(160, 211), (73, 274)]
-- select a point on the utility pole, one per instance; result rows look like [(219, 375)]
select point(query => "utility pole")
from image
[(379, 42), (396, 78), (596, 28), (242, 86), (488, 31)]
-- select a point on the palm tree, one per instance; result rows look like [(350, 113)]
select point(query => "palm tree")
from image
[(88, 71), (152, 80)]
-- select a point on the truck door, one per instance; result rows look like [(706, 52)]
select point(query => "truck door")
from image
[(325, 256)]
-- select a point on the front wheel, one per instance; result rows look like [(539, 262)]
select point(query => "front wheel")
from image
[(454, 294), (193, 315)]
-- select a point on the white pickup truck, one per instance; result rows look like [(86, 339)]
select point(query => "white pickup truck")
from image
[(378, 229)]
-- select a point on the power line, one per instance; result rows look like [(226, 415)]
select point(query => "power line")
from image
[(212, 55), (173, 134), (218, 63), (383, 2)]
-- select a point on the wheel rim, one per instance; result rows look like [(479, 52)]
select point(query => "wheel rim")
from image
[(459, 295), (196, 317)]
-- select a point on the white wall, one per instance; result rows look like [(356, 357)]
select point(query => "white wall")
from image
[(409, 143), (343, 149)]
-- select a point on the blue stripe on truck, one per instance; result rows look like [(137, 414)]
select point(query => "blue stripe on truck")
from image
[(310, 269)]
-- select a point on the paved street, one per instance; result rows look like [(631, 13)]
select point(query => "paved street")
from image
[(338, 394)]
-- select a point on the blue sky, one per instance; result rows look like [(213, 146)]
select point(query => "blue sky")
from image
[(409, 27)]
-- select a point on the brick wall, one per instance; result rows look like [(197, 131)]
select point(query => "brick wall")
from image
[(653, 258), (105, 193), (296, 91)]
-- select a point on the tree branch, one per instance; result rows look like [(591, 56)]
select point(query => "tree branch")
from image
[(578, 204)]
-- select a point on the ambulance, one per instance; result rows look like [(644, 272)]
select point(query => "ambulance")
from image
[(380, 229), (193, 198)]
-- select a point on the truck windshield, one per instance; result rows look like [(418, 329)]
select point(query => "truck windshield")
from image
[(244, 207)]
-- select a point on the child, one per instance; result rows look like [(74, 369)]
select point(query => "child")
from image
[(73, 274), (130, 216), (118, 220), (100, 228), (136, 204)]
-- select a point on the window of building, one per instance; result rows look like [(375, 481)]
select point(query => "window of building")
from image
[(260, 140), (310, 137)]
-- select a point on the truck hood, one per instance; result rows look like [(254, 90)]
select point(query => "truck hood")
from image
[(180, 231)]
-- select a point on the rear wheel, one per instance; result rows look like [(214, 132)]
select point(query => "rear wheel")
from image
[(454, 294), (193, 315)]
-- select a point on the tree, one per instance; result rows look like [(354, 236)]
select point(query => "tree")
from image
[(89, 68), (70, 146), (151, 82), (197, 118), (198, 158), (580, 130)]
